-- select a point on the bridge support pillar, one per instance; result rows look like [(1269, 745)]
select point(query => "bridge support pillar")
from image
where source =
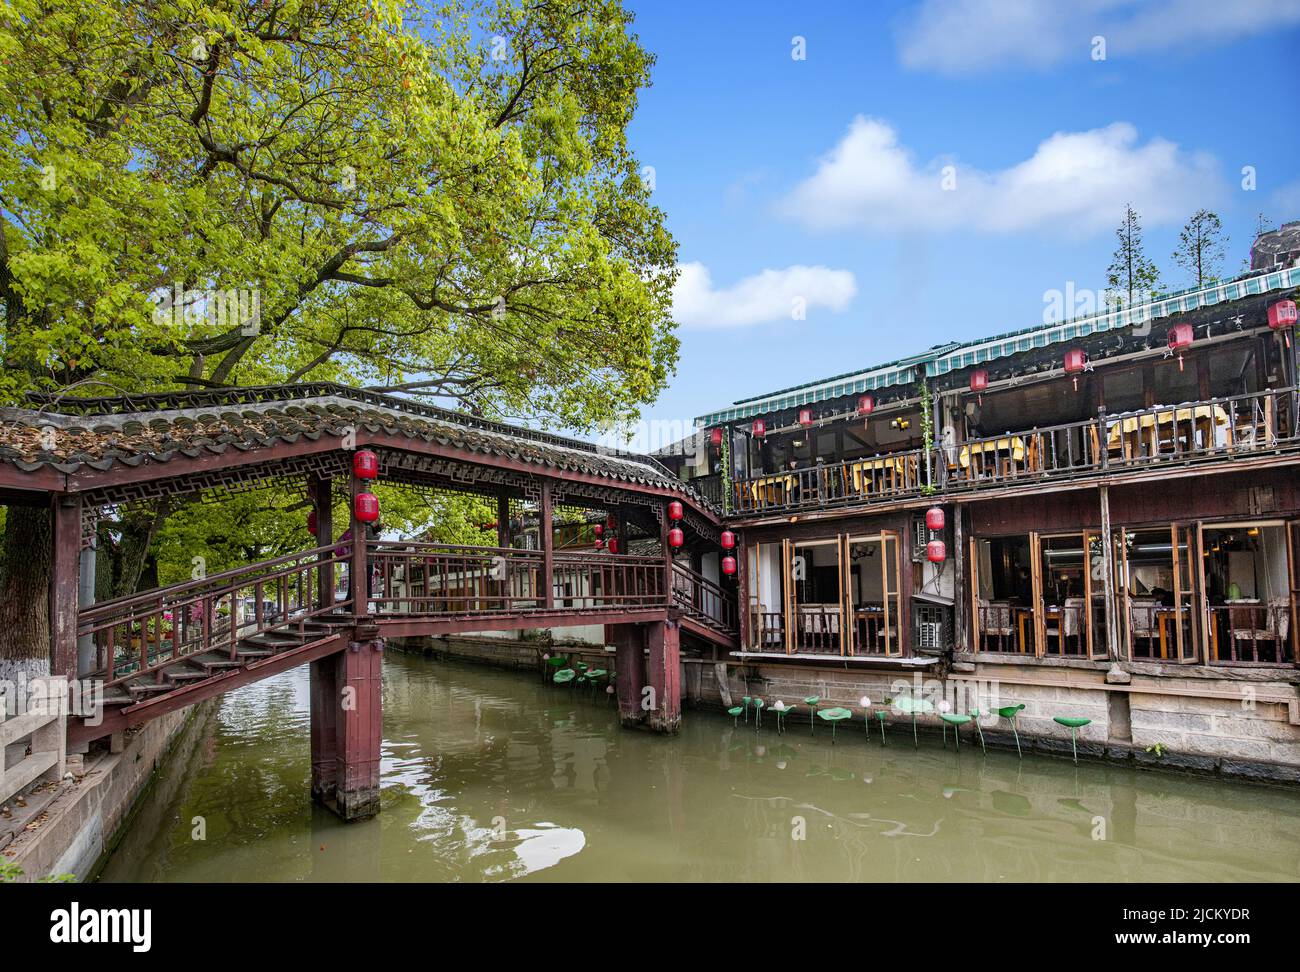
[(347, 729), (629, 665), (664, 668)]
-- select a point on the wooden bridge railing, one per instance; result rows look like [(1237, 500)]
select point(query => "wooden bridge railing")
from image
[(149, 632), (703, 599)]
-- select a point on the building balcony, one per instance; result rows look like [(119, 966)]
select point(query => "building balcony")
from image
[(1206, 431)]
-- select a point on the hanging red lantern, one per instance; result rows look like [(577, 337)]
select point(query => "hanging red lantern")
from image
[(365, 464), (715, 437), (674, 510), (600, 544), (613, 545), (805, 417), (311, 523), (611, 521), (675, 537), (728, 565), (728, 539), (936, 552), (1282, 315), (759, 428), (934, 518), (866, 404), (1180, 336), (1076, 360), (979, 380), (366, 507), (598, 530)]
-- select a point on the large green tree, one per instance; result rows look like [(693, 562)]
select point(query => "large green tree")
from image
[(435, 197)]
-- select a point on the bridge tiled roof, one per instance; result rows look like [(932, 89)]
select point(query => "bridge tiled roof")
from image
[(72, 434)]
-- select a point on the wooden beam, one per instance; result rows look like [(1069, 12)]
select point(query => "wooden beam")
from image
[(503, 519), (1108, 578), (323, 505), (358, 566)]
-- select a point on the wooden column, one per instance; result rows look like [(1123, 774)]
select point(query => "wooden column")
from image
[(65, 583), (629, 667), (665, 675), (1108, 577), (347, 728), (503, 520), (960, 628), (664, 526), (546, 537), (325, 704), (323, 506), (358, 566), (742, 588)]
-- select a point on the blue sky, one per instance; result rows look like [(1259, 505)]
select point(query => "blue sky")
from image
[(823, 178)]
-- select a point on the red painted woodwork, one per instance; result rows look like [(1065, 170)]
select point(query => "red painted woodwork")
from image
[(365, 464), (366, 507), (727, 539), (663, 671), (936, 552), (934, 518), (676, 537), (675, 511), (759, 428), (1282, 314)]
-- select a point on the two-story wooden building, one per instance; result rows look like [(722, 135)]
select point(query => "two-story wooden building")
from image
[(1101, 517)]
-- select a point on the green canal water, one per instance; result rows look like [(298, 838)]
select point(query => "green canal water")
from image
[(494, 776)]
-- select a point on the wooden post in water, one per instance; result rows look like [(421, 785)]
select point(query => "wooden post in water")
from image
[(663, 667)]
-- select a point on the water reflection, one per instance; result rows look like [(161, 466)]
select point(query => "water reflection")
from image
[(491, 776)]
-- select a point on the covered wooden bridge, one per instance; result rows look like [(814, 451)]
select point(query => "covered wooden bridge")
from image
[(155, 651)]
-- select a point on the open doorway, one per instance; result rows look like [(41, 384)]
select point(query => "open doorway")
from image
[(1247, 590)]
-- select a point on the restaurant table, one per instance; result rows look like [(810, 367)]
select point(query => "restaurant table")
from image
[(1126, 434)]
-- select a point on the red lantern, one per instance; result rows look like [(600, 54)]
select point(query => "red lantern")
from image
[(365, 464), (934, 518), (715, 437), (611, 521), (675, 537), (805, 417), (1180, 336), (759, 428), (598, 530), (600, 544), (1076, 360), (1282, 314), (936, 552), (366, 507), (613, 545), (979, 380), (728, 565), (674, 510), (728, 539), (866, 404), (311, 523)]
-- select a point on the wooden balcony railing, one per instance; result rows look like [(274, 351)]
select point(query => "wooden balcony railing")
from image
[(853, 481), (703, 599), (149, 632), (1213, 429)]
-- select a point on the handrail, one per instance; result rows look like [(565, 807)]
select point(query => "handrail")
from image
[(704, 599), (1215, 427)]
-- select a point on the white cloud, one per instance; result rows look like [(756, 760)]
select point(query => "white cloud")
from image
[(770, 295), (1075, 183), (965, 36)]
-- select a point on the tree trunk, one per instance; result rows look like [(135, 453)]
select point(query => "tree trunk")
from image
[(139, 527), (25, 559)]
